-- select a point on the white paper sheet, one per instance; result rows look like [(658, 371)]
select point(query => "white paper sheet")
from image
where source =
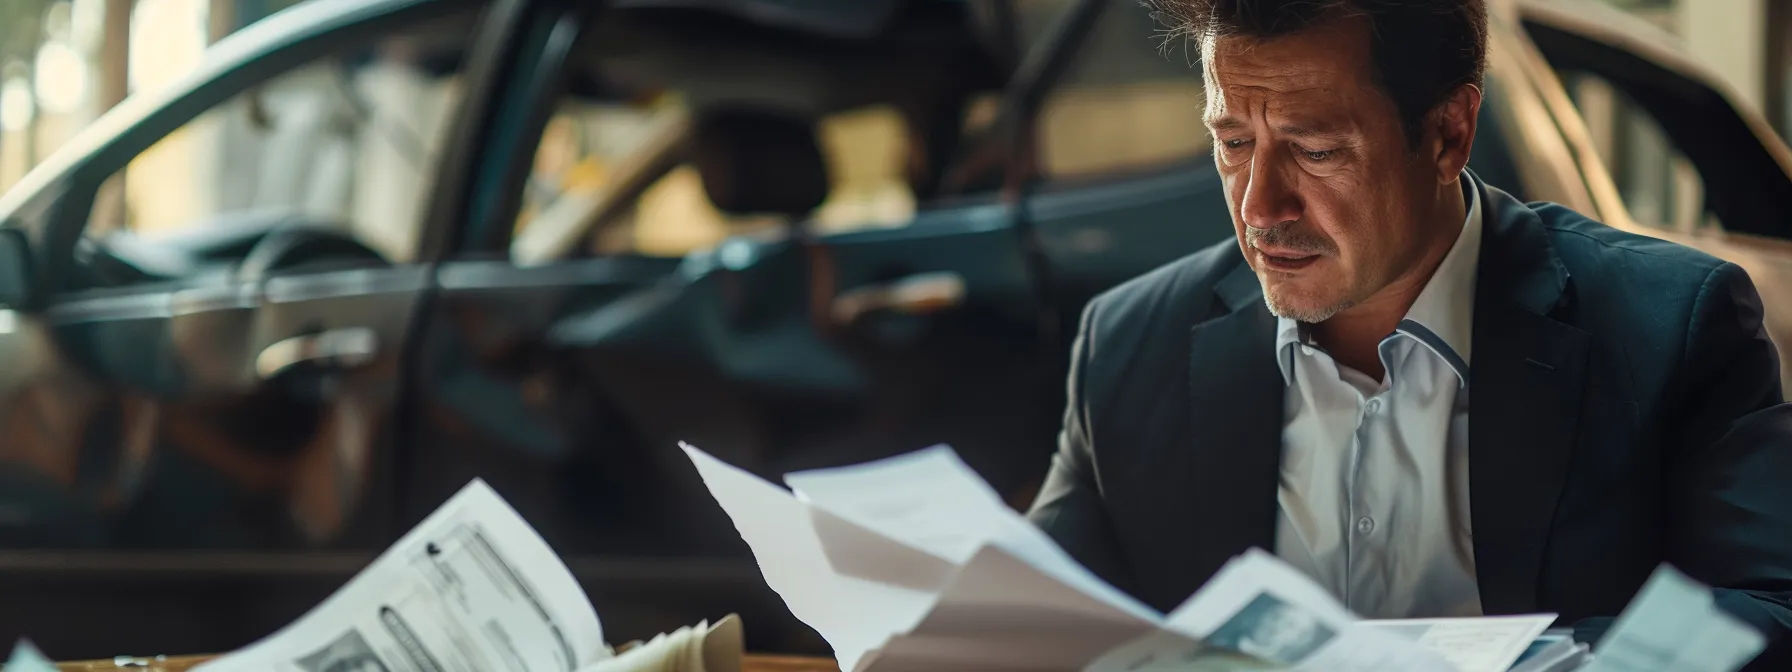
[(928, 499), (1171, 651), (983, 589), (1487, 644), (1259, 605), (1555, 653), (473, 587), (1000, 612), (1675, 624), (932, 501), (26, 658), (854, 615)]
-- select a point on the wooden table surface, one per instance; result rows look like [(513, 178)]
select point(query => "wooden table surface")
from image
[(183, 663)]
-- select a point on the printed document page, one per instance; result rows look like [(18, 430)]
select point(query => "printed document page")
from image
[(1487, 644), (471, 588), (1258, 605)]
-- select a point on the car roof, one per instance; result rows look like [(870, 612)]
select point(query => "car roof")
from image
[(284, 28), (1616, 27)]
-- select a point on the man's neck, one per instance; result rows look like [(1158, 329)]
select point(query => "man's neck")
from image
[(1353, 337)]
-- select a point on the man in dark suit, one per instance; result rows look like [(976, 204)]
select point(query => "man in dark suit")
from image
[(1307, 388)]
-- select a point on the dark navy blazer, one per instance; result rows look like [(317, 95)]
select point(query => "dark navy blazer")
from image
[(1624, 414)]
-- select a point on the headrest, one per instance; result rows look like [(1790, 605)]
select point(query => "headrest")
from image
[(757, 161)]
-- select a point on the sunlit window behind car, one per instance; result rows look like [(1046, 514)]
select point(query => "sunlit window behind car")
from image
[(347, 141)]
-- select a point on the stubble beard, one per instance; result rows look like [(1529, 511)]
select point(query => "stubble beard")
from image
[(1280, 306), (1285, 302)]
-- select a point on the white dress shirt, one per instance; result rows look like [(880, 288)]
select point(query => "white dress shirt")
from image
[(1374, 485)]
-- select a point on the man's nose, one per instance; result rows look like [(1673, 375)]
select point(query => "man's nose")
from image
[(1269, 196)]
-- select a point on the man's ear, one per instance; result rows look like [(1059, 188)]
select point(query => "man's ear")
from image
[(1455, 121)]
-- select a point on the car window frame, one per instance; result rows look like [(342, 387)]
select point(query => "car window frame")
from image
[(497, 155), (1541, 115), (1090, 14), (1736, 158), (238, 63), (1037, 74)]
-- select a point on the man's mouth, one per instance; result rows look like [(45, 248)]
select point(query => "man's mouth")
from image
[(1286, 260)]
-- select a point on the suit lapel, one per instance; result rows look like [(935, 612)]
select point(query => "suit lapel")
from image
[(1525, 395), (1235, 419)]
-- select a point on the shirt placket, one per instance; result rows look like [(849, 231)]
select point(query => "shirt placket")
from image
[(1358, 535), (1356, 504)]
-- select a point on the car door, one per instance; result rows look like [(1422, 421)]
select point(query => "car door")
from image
[(712, 235), (222, 277), (1691, 165)]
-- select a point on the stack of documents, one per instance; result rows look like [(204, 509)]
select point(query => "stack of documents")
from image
[(914, 563), (705, 648), (1491, 644), (472, 588)]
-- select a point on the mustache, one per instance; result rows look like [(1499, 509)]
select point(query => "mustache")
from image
[(1290, 236)]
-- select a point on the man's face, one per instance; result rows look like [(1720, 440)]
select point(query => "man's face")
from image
[(1327, 196)]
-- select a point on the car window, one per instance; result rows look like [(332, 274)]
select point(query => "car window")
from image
[(350, 139), (1682, 152), (625, 162), (1128, 101), (1660, 186)]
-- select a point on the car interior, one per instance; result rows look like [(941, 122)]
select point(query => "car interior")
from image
[(739, 113)]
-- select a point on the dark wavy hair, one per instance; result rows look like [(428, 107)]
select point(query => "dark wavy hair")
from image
[(1424, 50)]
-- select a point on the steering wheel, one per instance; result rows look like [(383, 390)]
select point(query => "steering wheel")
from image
[(300, 244)]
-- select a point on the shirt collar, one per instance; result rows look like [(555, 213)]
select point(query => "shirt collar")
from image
[(1442, 318)]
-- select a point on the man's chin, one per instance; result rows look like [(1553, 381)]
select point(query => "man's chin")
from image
[(1300, 308)]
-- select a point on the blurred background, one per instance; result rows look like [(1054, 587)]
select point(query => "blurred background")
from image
[(64, 62), (277, 277)]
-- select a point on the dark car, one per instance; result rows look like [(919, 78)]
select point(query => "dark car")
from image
[(262, 321)]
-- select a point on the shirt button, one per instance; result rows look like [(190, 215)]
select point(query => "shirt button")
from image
[(1375, 405), (1365, 525), (1306, 349)]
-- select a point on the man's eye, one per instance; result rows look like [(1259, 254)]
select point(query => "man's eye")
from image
[(1233, 144), (1317, 156)]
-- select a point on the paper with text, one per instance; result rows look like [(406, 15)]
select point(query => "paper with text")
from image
[(1486, 644), (1258, 605), (473, 587)]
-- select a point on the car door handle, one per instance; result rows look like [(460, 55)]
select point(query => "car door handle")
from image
[(915, 294), (337, 348)]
